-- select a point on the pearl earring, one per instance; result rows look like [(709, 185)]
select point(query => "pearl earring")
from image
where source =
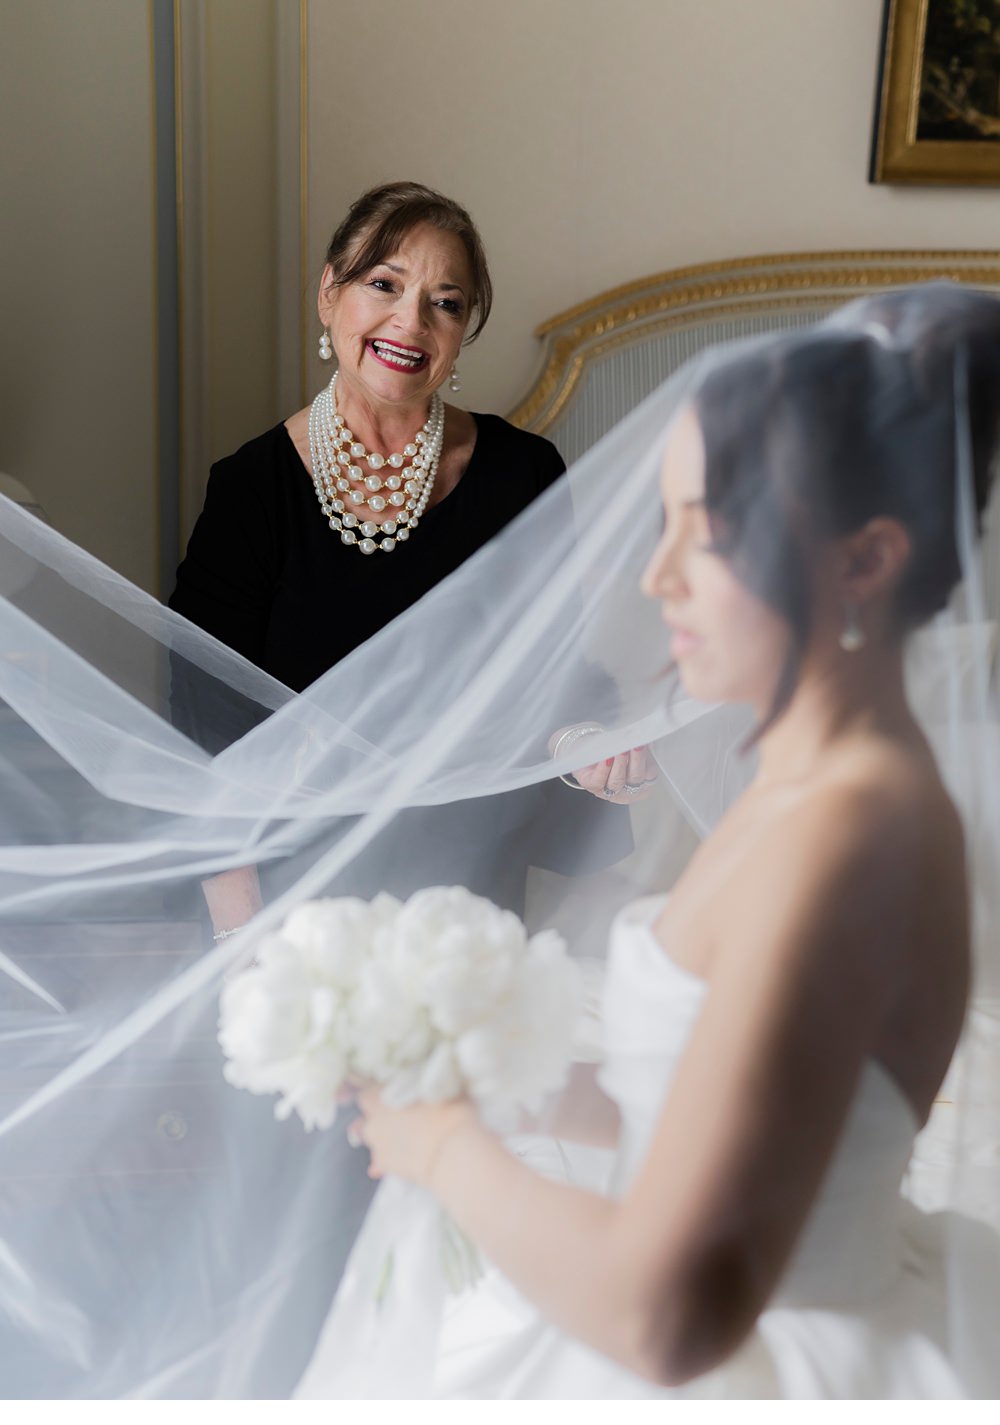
[(454, 384), (852, 635), (325, 349)]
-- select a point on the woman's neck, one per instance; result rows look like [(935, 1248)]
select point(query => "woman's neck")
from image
[(832, 705), (379, 426)]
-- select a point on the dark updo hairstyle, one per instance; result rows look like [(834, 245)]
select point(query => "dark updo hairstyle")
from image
[(814, 434), (379, 220)]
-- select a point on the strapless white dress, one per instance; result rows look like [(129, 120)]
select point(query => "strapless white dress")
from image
[(862, 1311)]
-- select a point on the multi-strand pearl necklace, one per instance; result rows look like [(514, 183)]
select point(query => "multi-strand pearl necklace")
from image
[(341, 483)]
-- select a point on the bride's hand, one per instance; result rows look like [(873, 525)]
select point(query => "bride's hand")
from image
[(407, 1142)]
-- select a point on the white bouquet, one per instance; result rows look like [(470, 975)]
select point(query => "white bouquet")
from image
[(441, 996)]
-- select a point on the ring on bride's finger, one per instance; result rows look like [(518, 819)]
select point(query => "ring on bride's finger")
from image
[(610, 792), (632, 787)]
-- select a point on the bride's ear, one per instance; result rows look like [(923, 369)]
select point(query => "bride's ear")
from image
[(872, 560)]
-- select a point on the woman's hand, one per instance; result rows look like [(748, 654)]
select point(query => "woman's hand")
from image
[(407, 1142), (623, 780)]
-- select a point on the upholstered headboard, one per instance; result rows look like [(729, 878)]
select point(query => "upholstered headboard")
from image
[(602, 357)]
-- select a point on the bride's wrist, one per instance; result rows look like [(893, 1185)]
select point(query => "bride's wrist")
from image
[(464, 1126)]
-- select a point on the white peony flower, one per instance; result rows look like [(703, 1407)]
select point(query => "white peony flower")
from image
[(455, 953), (522, 1051), (333, 937), (284, 1030), (441, 996)]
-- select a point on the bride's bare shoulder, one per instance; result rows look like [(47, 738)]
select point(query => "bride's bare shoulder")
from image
[(876, 841)]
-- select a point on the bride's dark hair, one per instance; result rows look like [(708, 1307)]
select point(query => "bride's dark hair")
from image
[(810, 437)]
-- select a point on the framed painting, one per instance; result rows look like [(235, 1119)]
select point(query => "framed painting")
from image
[(937, 116)]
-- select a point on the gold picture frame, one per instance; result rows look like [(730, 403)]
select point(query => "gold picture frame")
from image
[(937, 114)]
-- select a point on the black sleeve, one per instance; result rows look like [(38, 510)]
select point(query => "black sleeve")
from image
[(225, 585), (550, 465)]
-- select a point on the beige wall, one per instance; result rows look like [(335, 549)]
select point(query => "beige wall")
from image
[(77, 366), (596, 141)]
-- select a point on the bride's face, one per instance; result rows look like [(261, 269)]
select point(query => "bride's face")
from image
[(727, 644)]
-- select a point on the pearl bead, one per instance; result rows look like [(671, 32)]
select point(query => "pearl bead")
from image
[(412, 487), (338, 505), (413, 522), (355, 472), (403, 534), (410, 450), (346, 434), (357, 449), (357, 497), (368, 546), (388, 545), (375, 460), (395, 460), (393, 482), (343, 457), (397, 498), (419, 437), (369, 528), (343, 484), (376, 503), (373, 482), (334, 523), (350, 521), (348, 536), (389, 527)]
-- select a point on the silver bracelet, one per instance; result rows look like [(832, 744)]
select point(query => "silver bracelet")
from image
[(225, 934), (570, 736)]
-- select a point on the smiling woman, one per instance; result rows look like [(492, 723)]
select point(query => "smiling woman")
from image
[(376, 465)]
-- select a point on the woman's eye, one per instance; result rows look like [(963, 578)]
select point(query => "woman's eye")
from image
[(383, 284), (450, 305)]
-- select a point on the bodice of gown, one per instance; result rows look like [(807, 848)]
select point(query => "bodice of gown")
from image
[(848, 1253)]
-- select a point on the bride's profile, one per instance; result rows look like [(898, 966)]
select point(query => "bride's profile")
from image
[(755, 1185), (777, 1029)]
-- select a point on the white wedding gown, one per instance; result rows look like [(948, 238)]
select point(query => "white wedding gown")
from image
[(862, 1311)]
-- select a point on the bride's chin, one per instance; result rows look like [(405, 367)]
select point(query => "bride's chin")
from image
[(699, 688)]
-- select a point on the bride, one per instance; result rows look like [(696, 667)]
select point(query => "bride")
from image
[(777, 1029), (775, 1032)]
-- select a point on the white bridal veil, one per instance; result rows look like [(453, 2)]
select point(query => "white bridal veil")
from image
[(160, 1233)]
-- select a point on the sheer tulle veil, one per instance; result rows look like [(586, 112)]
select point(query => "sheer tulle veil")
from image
[(160, 1233)]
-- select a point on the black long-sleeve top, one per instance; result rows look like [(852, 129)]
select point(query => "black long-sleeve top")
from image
[(266, 575)]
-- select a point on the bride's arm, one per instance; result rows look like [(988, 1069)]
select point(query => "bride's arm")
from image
[(670, 1279)]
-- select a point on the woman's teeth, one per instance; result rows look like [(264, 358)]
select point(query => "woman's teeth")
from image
[(398, 355)]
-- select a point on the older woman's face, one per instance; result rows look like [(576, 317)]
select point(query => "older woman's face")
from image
[(397, 330)]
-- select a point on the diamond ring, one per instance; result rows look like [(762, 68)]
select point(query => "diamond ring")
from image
[(633, 787)]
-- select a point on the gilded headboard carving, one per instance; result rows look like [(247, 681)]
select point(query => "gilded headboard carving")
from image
[(602, 357)]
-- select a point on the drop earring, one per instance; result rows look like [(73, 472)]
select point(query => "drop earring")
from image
[(852, 635), (454, 384), (325, 348)]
